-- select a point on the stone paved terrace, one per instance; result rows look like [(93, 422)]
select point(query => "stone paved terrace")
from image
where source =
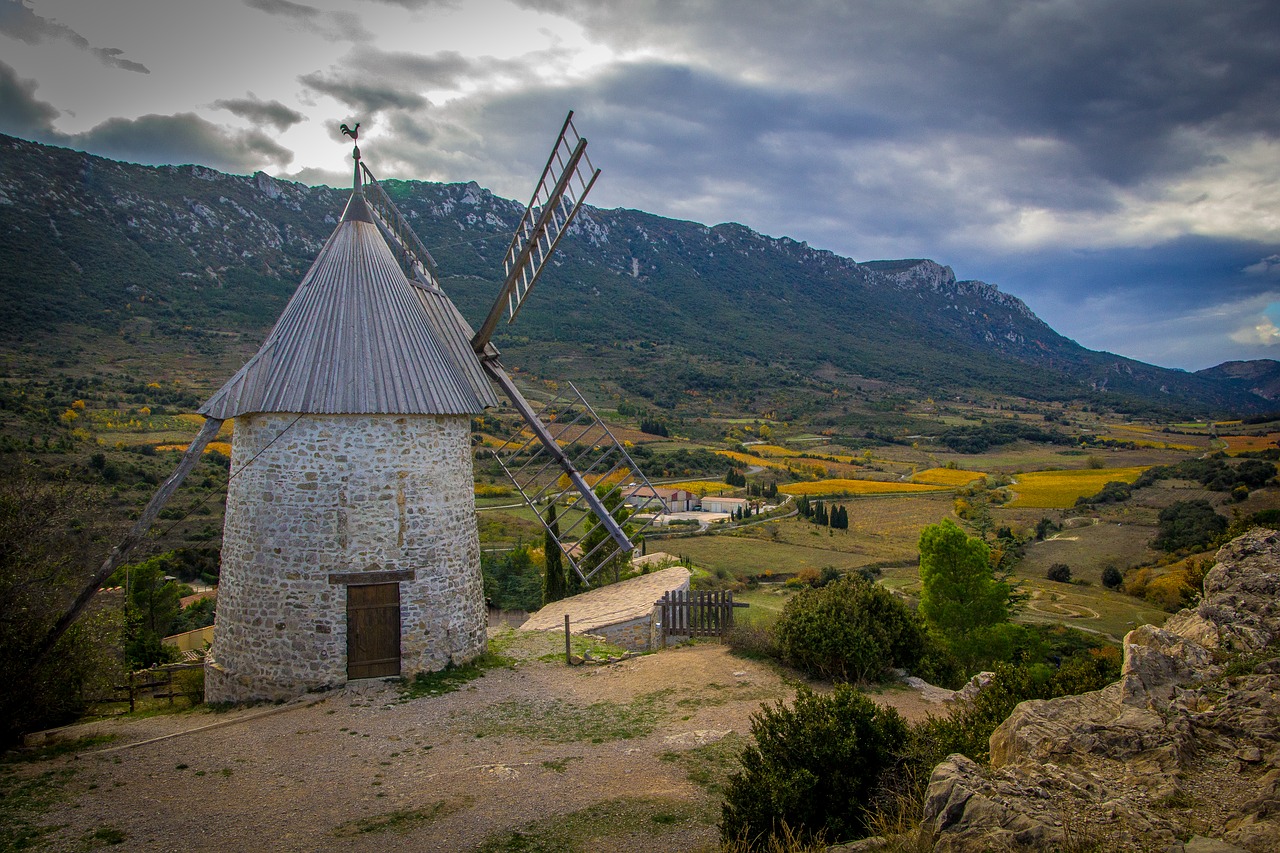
[(610, 605)]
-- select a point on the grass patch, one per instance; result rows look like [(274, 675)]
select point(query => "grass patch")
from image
[(57, 748), (105, 835), (591, 828), (401, 821), (556, 721), (23, 802), (560, 765), (450, 678), (710, 765)]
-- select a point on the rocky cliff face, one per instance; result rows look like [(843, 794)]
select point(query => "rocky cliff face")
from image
[(1181, 754)]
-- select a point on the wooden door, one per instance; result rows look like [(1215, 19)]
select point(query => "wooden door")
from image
[(373, 630)]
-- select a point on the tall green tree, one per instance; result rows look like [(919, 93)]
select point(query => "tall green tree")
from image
[(46, 553), (555, 585), (960, 592), (597, 533)]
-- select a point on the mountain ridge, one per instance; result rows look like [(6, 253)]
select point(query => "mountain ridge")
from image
[(657, 309)]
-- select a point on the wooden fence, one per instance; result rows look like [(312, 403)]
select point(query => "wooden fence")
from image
[(696, 614), (158, 683)]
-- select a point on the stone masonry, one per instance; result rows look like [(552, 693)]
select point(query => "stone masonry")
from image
[(317, 499)]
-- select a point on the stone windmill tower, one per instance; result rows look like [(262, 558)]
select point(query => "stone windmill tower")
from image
[(350, 545)]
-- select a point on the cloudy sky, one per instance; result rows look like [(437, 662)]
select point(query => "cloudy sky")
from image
[(1115, 163)]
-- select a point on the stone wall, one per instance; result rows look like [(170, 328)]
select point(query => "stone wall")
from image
[(341, 494)]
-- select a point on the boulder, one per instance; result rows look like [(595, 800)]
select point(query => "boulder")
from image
[(1181, 754)]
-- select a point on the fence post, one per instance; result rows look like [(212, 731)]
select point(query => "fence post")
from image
[(568, 649)]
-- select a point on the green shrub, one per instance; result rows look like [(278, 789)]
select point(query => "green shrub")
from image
[(1188, 524), (814, 770), (849, 630), (1111, 577), (1059, 572)]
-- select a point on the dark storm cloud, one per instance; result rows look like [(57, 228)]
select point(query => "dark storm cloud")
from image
[(21, 112), (273, 113), (361, 93), (20, 22), (180, 139), (333, 26), (437, 70), (1127, 88)]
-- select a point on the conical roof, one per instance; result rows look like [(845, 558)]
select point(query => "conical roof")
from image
[(359, 338)]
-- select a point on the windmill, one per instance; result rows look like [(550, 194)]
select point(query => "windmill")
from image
[(350, 547), (539, 465)]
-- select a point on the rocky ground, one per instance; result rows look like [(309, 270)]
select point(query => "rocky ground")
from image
[(625, 756), (1181, 754)]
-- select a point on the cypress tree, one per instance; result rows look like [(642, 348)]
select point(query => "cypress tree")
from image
[(555, 585)]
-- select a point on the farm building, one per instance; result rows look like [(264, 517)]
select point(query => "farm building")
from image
[(350, 547), (652, 498), (727, 505)]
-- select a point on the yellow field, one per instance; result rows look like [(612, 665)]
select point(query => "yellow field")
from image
[(1155, 445), (701, 487), (774, 450), (788, 453), (1059, 489), (855, 487), (1242, 443), (223, 447), (748, 459), (947, 476)]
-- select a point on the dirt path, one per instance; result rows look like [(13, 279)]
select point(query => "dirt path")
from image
[(592, 758)]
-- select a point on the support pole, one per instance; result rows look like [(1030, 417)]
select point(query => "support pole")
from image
[(568, 649), (135, 535)]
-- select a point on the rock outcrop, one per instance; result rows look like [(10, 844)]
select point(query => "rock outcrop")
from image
[(1181, 754)]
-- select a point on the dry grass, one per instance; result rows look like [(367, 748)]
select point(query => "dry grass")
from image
[(1059, 489)]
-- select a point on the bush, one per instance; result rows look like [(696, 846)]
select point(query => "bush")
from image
[(815, 768), (968, 726), (1111, 577), (849, 630), (1188, 524), (1059, 572), (752, 638)]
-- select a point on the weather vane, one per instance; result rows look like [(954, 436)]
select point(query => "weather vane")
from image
[(354, 133)]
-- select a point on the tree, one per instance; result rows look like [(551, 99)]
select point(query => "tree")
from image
[(597, 533), (1059, 572), (1189, 524), (555, 585), (815, 768), (960, 593), (1111, 577), (45, 556)]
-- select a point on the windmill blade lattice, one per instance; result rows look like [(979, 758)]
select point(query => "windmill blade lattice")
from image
[(563, 187), (605, 465)]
